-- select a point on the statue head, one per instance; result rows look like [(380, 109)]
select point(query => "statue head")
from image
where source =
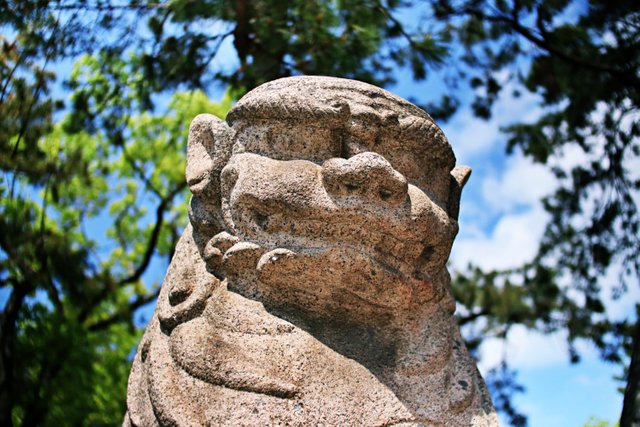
[(325, 195), (312, 286)]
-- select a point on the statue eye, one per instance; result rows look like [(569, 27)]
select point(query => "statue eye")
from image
[(261, 219)]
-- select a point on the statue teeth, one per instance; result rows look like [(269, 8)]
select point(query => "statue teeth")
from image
[(273, 256)]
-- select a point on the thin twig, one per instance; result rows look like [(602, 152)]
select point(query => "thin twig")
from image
[(125, 313), (110, 7), (153, 239)]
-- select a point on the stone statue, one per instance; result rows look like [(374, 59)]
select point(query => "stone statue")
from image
[(310, 287)]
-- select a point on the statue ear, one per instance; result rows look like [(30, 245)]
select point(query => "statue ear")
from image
[(208, 150), (459, 177)]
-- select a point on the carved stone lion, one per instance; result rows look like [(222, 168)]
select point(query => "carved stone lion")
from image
[(311, 286)]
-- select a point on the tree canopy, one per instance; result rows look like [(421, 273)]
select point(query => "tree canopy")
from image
[(95, 100)]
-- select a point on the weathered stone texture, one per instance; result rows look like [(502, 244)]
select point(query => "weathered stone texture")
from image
[(310, 287)]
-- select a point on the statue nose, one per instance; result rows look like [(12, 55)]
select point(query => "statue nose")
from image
[(368, 176)]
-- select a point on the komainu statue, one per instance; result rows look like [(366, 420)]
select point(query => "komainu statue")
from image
[(310, 288)]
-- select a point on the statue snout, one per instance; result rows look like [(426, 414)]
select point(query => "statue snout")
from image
[(366, 176)]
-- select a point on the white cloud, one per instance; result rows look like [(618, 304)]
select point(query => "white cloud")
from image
[(583, 380), (514, 240), (526, 349), (522, 182), (472, 137), (624, 306), (570, 156)]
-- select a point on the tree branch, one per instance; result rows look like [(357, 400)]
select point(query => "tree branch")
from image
[(146, 260), (9, 318), (125, 313), (242, 42), (140, 172), (12, 72), (52, 291), (219, 39), (542, 42), (391, 18), (631, 405), (110, 7), (8, 321), (153, 239), (471, 317), (39, 87)]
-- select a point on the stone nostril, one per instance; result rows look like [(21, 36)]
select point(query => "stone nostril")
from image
[(385, 194), (351, 186)]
